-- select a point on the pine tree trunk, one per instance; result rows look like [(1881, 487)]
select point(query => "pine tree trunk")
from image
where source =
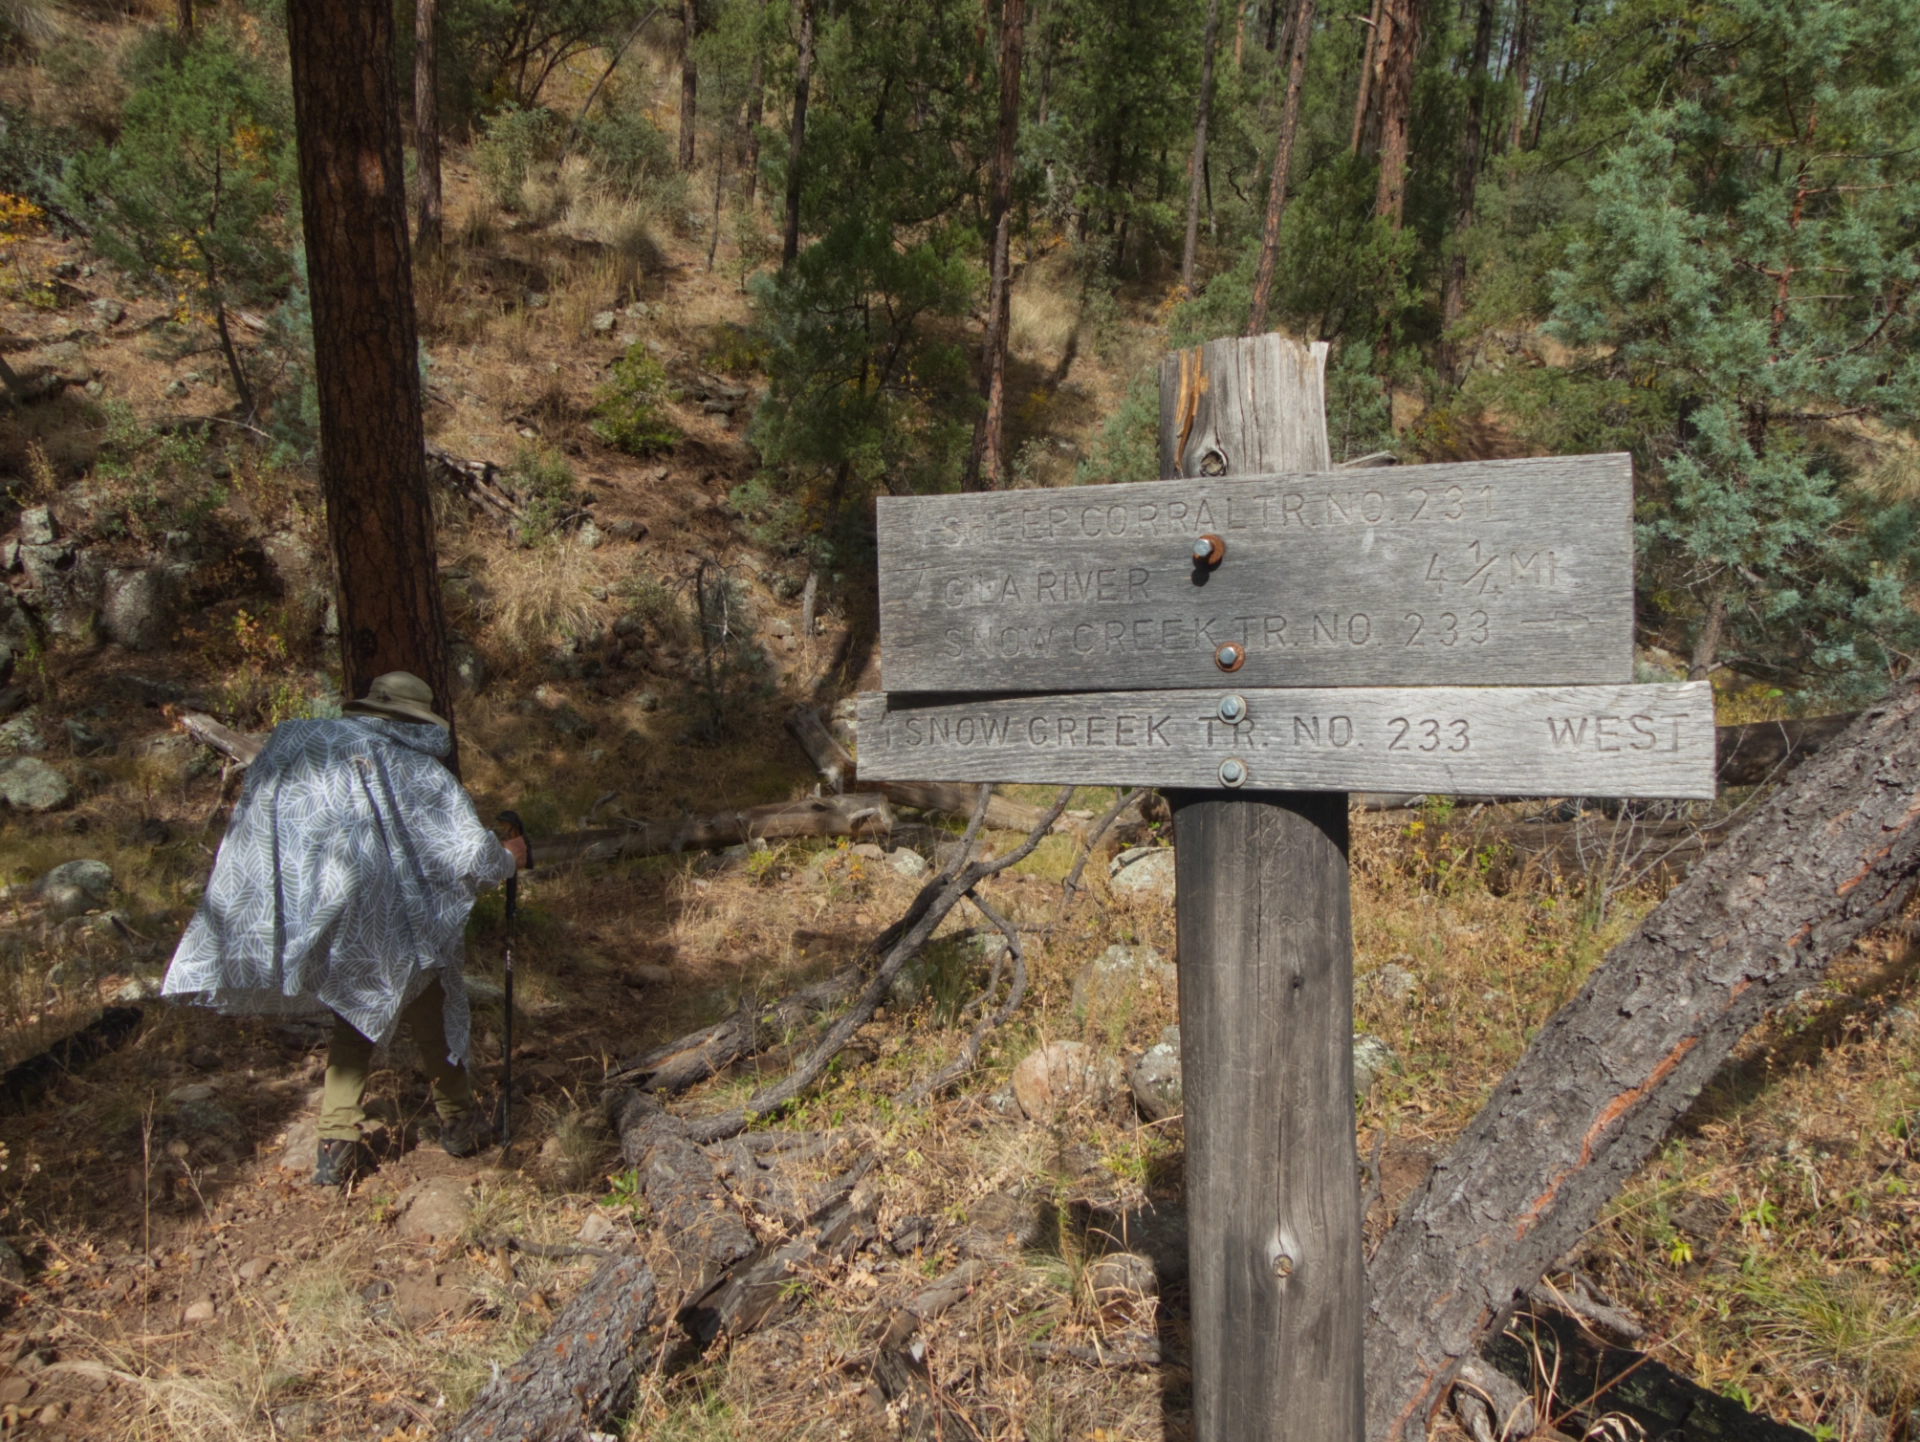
[(756, 110), (1832, 855), (1282, 164), (1453, 301), (1197, 178), (426, 124), (1518, 71), (1396, 107), (986, 463), (1369, 63), (689, 79), (183, 17), (353, 204), (796, 146)]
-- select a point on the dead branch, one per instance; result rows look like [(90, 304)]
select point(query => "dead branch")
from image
[(678, 1064), (935, 901), (828, 756), (478, 481), (239, 747), (969, 1055), (1071, 885)]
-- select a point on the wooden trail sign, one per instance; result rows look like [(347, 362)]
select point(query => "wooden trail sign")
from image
[(1260, 635), (1516, 572), (1650, 741)]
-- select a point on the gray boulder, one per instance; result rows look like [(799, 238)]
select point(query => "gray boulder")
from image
[(17, 630), (21, 735), (75, 887), (1371, 1058), (467, 668), (67, 585), (37, 527), (1144, 873), (138, 608), (1118, 972), (30, 785), (1155, 1079)]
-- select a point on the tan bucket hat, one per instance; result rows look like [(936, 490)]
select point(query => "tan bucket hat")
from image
[(397, 696)]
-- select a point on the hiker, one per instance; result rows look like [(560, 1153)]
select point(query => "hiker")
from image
[(343, 887)]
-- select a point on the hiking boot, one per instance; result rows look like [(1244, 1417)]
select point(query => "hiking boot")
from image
[(339, 1163), (465, 1134)]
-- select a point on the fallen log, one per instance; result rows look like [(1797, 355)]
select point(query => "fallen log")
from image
[(828, 756), (577, 1376), (678, 1064), (1831, 855), (858, 813), (837, 768), (239, 747)]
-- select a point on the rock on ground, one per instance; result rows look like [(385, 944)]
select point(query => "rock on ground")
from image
[(75, 887), (1145, 872), (1155, 1079), (434, 1208), (1121, 1279), (1117, 971), (1062, 1075), (27, 784), (1391, 982), (1371, 1057)]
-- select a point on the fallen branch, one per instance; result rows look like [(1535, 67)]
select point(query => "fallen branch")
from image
[(1829, 856), (579, 1374), (478, 481), (239, 747), (904, 940), (1071, 885), (686, 1060), (969, 1055), (828, 756)]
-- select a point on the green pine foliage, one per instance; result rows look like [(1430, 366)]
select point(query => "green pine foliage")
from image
[(628, 411)]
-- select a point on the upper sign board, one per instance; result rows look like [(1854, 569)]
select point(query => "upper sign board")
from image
[(1484, 573)]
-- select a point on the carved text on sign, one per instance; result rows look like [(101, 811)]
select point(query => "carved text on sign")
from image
[(1507, 571), (1653, 741)]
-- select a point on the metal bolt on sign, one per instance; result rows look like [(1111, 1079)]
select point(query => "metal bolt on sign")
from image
[(1232, 709), (1233, 772)]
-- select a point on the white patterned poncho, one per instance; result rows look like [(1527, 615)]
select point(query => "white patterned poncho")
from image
[(344, 881)]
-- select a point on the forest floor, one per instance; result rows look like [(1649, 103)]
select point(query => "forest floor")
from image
[(178, 1276)]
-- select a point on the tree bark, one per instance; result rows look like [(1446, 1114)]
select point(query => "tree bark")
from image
[(353, 205), (796, 144), (1453, 302), (1706, 646), (183, 16), (1832, 855), (1266, 999), (426, 124), (1282, 166), (689, 79), (1210, 39), (582, 1372), (1396, 106), (756, 109), (986, 462), (1369, 64)]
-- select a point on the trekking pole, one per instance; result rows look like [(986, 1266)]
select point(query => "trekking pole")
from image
[(514, 829)]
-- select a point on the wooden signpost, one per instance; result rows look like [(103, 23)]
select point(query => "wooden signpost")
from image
[(1261, 633)]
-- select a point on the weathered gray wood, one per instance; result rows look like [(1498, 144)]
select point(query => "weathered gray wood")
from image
[(1266, 1048), (1831, 855), (1506, 740), (1516, 572), (1208, 393), (579, 1374), (1266, 1019)]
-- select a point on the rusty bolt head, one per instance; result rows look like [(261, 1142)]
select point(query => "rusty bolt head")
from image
[(1208, 550), (1233, 709), (1230, 656), (1233, 772)]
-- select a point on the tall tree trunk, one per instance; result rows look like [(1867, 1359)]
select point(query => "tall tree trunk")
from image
[(1396, 107), (1453, 301), (183, 16), (1519, 71), (986, 462), (1282, 164), (353, 208), (1197, 179), (426, 124), (796, 145), (756, 109), (689, 79), (1831, 855), (1370, 62)]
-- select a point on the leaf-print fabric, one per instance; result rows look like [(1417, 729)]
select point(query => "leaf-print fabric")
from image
[(344, 881)]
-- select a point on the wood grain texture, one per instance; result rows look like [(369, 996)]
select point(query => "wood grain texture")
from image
[(1831, 855), (1266, 1050), (577, 1376), (1643, 741), (1266, 1013), (1493, 572)]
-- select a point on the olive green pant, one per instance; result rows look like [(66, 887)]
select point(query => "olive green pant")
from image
[(350, 1057)]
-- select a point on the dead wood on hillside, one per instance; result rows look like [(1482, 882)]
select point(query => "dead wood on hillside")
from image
[(1829, 856), (577, 1376), (832, 760), (239, 747), (678, 1064)]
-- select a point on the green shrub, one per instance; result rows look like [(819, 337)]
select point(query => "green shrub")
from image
[(546, 486), (627, 410), (515, 140), (628, 151)]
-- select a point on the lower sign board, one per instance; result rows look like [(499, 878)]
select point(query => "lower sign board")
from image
[(1628, 741)]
